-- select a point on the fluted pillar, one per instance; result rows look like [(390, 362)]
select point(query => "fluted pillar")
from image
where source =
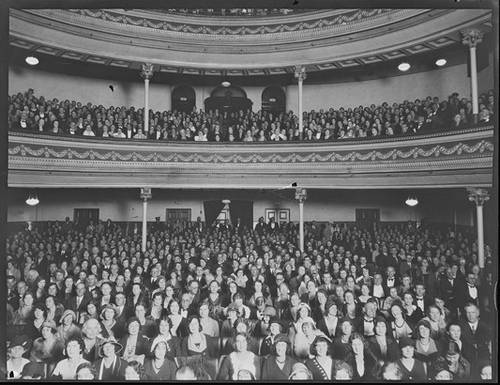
[(301, 196), (479, 196), (300, 75), (145, 196), (472, 37), (146, 73)]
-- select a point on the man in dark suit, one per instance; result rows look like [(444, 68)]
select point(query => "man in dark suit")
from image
[(260, 227), (365, 325), (421, 298), (468, 292), (328, 285), (78, 303), (390, 279), (123, 311), (448, 288), (476, 333), (272, 226)]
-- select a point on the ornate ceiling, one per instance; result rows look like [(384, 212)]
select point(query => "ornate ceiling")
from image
[(271, 42)]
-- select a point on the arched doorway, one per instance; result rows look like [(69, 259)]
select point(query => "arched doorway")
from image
[(273, 99), (183, 98), (228, 99)]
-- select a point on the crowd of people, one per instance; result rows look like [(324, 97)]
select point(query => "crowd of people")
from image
[(227, 302), (36, 113)]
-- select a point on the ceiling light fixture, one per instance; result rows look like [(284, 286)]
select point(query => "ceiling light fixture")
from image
[(404, 66), (441, 62), (411, 201), (32, 60), (226, 83), (32, 199)]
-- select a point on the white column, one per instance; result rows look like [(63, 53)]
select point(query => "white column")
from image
[(146, 74), (300, 74), (301, 195), (145, 195), (472, 37), (479, 196)]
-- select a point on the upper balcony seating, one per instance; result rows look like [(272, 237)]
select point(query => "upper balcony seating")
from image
[(38, 114)]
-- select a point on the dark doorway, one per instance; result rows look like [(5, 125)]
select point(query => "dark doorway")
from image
[(242, 210), (273, 99), (183, 99), (83, 217), (228, 99), (366, 218)]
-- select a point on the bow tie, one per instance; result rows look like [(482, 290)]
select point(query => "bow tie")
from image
[(420, 298), (471, 286), (369, 321)]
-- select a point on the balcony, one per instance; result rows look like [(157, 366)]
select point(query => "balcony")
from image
[(454, 159)]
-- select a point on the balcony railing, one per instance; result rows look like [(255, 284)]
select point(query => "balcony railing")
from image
[(454, 159)]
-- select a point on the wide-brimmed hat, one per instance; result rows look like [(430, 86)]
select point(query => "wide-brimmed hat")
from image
[(49, 324), (281, 338), (317, 339), (110, 340), (156, 341), (106, 308), (406, 341), (270, 311), (232, 307), (276, 320), (66, 313), (19, 340)]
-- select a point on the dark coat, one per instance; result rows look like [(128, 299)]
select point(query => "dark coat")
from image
[(118, 373), (271, 370)]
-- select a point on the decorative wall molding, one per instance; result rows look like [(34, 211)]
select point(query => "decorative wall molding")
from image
[(466, 155), (321, 40)]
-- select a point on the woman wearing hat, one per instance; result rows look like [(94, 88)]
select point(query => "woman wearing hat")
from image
[(412, 368), (382, 346), (17, 348), (110, 327), (173, 343), (454, 362), (159, 367), (425, 347), (330, 322), (240, 358), (135, 344), (321, 365), (276, 327), (302, 341), (66, 368), (341, 347), (67, 328), (300, 372), (110, 366), (25, 312), (278, 365), (48, 348)]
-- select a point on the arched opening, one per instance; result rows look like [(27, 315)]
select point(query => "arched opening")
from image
[(228, 99), (183, 98), (273, 99)]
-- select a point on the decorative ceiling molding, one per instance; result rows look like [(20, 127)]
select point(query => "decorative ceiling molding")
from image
[(383, 36), (466, 156)]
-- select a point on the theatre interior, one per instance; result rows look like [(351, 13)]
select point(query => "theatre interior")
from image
[(265, 194)]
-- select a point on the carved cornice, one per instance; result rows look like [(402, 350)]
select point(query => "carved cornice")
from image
[(224, 26), (261, 46), (461, 154)]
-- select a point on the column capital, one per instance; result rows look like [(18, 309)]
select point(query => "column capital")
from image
[(478, 195), (146, 193), (147, 71), (300, 194), (471, 37), (300, 73)]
